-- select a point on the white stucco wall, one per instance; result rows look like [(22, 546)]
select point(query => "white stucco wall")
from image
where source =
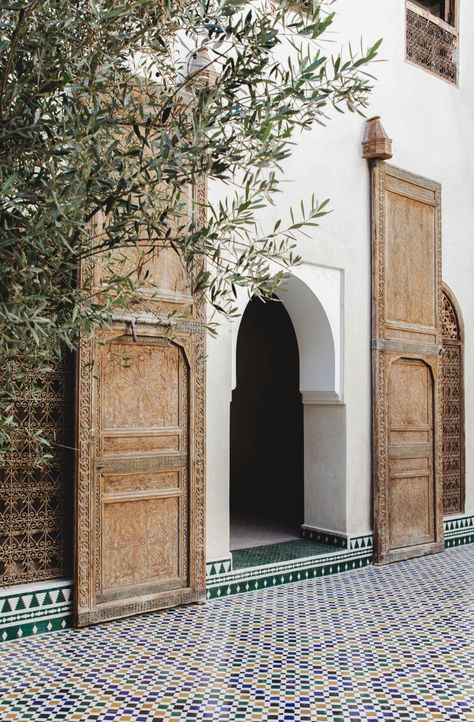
[(431, 123)]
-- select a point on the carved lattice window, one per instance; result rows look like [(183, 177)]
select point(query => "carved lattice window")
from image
[(452, 410), (35, 503), (432, 37)]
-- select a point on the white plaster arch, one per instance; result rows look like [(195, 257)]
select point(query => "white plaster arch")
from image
[(313, 297)]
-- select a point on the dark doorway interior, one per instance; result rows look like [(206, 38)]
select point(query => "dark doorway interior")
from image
[(266, 430)]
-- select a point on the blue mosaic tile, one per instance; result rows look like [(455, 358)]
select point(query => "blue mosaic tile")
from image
[(384, 643)]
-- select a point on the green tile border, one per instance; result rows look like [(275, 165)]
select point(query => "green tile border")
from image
[(458, 530), (277, 578), (295, 570), (218, 566), (365, 541), (356, 552), (324, 537), (35, 609), (458, 541), (344, 541), (42, 608), (39, 626)]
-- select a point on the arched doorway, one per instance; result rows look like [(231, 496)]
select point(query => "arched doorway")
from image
[(266, 436), (452, 369)]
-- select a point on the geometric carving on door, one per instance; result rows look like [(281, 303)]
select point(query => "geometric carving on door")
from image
[(452, 406), (140, 544), (144, 483), (406, 368), (140, 522), (410, 438)]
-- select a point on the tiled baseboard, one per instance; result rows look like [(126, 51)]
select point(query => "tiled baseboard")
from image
[(458, 530), (33, 609), (46, 607), (345, 541), (218, 566), (246, 580)]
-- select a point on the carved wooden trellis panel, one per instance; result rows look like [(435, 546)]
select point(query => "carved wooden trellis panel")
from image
[(453, 409), (431, 43), (140, 490), (35, 502), (406, 343)]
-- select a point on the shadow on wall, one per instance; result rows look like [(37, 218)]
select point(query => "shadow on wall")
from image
[(266, 421)]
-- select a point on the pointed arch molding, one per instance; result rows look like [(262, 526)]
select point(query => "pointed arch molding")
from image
[(452, 412)]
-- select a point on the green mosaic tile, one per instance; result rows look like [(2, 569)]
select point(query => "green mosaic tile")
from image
[(221, 566), (459, 540), (361, 542), (276, 579), (324, 537), (281, 552), (26, 613), (38, 626)]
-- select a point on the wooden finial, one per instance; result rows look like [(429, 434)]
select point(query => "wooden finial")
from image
[(201, 70), (376, 144)]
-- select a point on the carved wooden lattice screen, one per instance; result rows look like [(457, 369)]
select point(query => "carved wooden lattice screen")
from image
[(35, 502), (406, 291), (453, 409), (140, 488), (431, 43)]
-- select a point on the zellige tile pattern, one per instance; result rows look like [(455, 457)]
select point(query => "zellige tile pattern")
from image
[(382, 643), (280, 552)]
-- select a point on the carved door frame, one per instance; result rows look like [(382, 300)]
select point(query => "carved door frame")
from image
[(391, 340)]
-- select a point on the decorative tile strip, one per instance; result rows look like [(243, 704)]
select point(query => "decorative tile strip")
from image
[(458, 530), (246, 580), (35, 609), (337, 539), (218, 566), (366, 541), (323, 536)]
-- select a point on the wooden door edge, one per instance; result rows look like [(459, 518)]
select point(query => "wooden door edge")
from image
[(406, 553), (124, 610)]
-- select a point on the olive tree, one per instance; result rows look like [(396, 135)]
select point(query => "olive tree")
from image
[(110, 110)]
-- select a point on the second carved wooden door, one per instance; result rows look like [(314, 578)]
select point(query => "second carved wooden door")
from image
[(406, 347)]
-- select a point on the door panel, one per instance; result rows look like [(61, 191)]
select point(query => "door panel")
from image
[(141, 543), (141, 507), (144, 389), (410, 262), (411, 481), (406, 344)]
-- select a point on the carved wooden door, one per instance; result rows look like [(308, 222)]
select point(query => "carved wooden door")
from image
[(140, 490), (406, 368)]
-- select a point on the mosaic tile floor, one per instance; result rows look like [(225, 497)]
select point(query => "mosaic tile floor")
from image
[(390, 643), (281, 552)]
